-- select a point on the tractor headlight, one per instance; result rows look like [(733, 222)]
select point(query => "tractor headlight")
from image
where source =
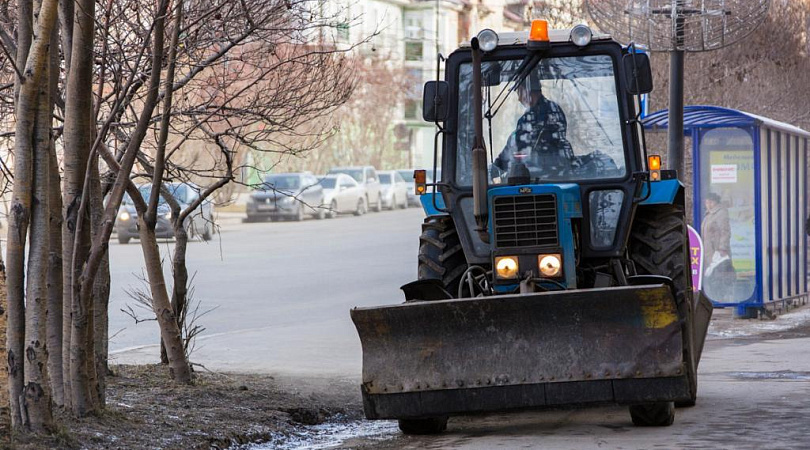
[(124, 216), (487, 40), (581, 35), (506, 267), (550, 265)]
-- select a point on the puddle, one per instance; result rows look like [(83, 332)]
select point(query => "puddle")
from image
[(781, 375), (330, 434)]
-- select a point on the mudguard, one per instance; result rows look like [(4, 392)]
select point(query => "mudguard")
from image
[(431, 358)]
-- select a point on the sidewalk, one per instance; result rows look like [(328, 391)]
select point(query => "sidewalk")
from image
[(724, 326)]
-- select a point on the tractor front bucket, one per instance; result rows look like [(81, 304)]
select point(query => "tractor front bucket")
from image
[(436, 358)]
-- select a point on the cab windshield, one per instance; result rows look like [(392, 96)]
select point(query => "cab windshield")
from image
[(561, 120)]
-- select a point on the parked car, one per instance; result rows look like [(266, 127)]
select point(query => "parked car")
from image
[(394, 189), (200, 223), (290, 196), (366, 176), (342, 194)]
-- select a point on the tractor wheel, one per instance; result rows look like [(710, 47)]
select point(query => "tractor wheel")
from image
[(432, 425), (440, 254), (659, 245), (653, 414)]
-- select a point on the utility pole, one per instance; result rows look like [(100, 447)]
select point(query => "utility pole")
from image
[(676, 63)]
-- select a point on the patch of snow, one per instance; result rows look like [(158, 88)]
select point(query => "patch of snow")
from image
[(327, 435), (751, 327)]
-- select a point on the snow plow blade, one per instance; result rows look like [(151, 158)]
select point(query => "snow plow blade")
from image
[(433, 358)]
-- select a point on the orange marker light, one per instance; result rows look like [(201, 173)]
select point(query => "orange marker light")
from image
[(654, 166), (654, 162), (420, 181), (539, 31)]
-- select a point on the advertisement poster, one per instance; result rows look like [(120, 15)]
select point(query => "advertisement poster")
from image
[(695, 258)]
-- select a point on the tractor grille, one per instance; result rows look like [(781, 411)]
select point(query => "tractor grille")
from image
[(525, 221)]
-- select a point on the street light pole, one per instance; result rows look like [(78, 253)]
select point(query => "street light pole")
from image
[(676, 64)]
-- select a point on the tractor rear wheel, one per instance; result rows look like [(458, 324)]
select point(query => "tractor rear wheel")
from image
[(440, 254), (659, 245)]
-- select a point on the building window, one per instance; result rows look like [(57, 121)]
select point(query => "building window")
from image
[(413, 109), (413, 51)]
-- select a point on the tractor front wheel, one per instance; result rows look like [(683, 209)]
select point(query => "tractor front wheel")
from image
[(653, 414), (433, 425)]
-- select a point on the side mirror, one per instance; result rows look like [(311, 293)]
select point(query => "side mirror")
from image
[(435, 100), (637, 73)]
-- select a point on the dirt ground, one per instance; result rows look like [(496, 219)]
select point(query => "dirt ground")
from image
[(146, 410)]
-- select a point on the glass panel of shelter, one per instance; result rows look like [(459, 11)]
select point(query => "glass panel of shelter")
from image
[(727, 214)]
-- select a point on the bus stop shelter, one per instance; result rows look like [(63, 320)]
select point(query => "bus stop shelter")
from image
[(750, 206)]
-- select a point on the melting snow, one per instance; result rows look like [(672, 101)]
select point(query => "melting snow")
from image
[(328, 435)]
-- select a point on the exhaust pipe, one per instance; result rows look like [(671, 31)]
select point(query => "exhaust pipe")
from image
[(479, 151)]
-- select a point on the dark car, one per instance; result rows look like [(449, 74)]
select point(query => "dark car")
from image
[(290, 196), (199, 223)]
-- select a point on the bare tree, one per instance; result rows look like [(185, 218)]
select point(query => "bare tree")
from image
[(29, 390)]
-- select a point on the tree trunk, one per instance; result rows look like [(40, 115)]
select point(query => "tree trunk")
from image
[(54, 324), (28, 104), (78, 136), (101, 290), (5, 419), (169, 331), (25, 109), (36, 407), (180, 272)]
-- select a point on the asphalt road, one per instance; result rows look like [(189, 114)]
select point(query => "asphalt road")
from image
[(282, 293)]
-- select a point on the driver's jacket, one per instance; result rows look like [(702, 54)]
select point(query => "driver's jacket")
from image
[(540, 136)]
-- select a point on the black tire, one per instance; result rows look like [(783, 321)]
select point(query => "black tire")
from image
[(433, 425), (653, 414), (361, 207), (659, 245), (123, 240), (333, 212), (440, 254), (208, 233)]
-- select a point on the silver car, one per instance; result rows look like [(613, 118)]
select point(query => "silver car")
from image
[(290, 196), (394, 189), (366, 176), (200, 223), (342, 194)]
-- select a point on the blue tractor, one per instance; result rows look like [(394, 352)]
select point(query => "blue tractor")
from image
[(553, 263)]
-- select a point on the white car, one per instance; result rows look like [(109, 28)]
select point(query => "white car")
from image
[(365, 176), (394, 189), (342, 194)]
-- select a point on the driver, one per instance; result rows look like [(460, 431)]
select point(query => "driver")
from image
[(539, 138)]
